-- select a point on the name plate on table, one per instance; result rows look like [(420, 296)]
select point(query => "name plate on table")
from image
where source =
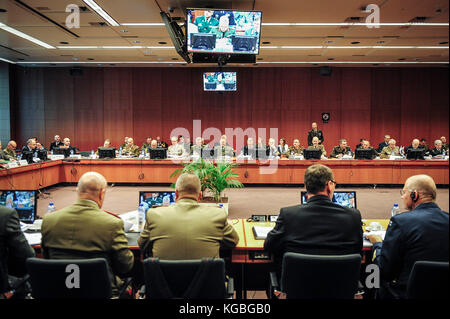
[(12, 165), (75, 156), (23, 162), (55, 157)]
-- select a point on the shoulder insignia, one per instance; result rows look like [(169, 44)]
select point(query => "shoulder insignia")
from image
[(111, 214)]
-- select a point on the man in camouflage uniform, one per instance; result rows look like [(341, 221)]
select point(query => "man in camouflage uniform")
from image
[(296, 148), (146, 144), (341, 149), (316, 146), (131, 149), (390, 150)]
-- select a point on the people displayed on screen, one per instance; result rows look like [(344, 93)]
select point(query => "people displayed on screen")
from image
[(206, 22)]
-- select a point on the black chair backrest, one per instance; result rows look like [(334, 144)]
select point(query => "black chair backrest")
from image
[(50, 278), (320, 277), (186, 279), (428, 280)]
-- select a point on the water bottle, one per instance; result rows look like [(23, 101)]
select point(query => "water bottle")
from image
[(120, 151), (395, 210), (92, 154), (71, 152), (143, 153), (51, 208), (19, 157), (141, 217)]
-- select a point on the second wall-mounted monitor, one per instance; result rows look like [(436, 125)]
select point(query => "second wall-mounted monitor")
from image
[(223, 31), (219, 81)]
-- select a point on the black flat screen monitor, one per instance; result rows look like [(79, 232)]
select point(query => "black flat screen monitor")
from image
[(312, 154), (219, 81), (208, 153), (158, 153), (62, 151), (364, 154), (223, 31), (346, 199), (42, 154), (24, 202), (106, 152), (415, 154), (157, 198)]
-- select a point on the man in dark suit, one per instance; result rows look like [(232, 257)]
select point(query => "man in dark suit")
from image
[(315, 133), (420, 234), (12, 244), (56, 144), (383, 144), (319, 227)]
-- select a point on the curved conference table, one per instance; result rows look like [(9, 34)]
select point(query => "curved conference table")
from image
[(146, 171)]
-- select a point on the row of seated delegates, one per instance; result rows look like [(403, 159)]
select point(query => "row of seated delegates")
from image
[(420, 233)]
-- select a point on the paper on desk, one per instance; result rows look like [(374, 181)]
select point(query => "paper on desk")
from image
[(380, 233), (33, 238)]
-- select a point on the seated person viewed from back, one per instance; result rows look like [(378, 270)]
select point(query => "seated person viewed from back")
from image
[(319, 227), (438, 150), (186, 230), (84, 230), (421, 234), (390, 150), (341, 149)]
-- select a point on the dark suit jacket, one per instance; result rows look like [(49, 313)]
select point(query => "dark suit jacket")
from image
[(319, 227), (54, 145), (381, 146), (12, 244), (312, 134), (421, 234)]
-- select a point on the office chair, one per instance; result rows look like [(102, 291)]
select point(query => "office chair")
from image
[(50, 278), (186, 279), (428, 280), (318, 276)]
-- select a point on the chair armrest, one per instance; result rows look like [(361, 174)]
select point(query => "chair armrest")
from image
[(274, 281), (122, 290), (230, 288)]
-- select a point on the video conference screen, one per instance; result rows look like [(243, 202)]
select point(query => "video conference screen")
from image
[(219, 81), (346, 199), (157, 198), (24, 202), (223, 31)]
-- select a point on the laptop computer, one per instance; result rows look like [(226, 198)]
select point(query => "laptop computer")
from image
[(24, 202), (346, 199), (157, 198)]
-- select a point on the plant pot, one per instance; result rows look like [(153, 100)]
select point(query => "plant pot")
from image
[(210, 199)]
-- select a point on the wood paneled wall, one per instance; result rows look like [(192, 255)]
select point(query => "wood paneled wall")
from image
[(139, 102)]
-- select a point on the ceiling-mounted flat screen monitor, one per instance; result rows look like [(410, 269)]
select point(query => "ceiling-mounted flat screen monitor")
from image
[(219, 81), (223, 31)]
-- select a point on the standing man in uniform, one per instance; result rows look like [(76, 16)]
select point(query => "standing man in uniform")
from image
[(315, 133)]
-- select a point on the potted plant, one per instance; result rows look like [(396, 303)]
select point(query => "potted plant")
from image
[(214, 177)]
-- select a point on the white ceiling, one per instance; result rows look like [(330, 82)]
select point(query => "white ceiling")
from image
[(21, 51)]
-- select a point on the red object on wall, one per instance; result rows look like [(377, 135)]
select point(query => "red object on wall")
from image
[(113, 103)]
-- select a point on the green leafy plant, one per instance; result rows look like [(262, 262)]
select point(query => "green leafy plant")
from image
[(214, 177)]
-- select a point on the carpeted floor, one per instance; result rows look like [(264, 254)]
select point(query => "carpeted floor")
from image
[(373, 203)]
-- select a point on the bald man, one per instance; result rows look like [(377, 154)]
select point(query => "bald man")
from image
[(186, 230), (84, 230), (10, 151), (419, 234)]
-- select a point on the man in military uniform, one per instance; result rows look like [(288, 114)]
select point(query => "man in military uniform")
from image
[(197, 148), (444, 143), (161, 143), (391, 149), (9, 152), (224, 30), (315, 133), (223, 149), (84, 230), (155, 200), (424, 145), (205, 22), (341, 150), (438, 150), (175, 149), (131, 149), (125, 142), (296, 148), (146, 144), (316, 146)]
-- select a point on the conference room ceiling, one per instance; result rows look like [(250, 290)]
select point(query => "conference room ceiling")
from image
[(281, 45)]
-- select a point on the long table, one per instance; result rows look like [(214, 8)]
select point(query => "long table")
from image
[(352, 172)]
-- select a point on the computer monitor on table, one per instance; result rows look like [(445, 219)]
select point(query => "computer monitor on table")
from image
[(315, 154), (157, 198), (24, 202), (62, 151), (158, 153), (415, 154), (106, 152), (364, 154), (343, 198)]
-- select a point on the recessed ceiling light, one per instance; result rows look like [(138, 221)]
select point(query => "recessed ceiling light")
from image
[(75, 59), (20, 59), (63, 42), (90, 59), (328, 41), (124, 31), (162, 42), (160, 59), (330, 59), (174, 59), (266, 42), (445, 42), (402, 59), (356, 42), (3, 10), (136, 41), (381, 41), (259, 59)]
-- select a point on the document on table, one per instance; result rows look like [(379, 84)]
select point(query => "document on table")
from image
[(260, 232), (33, 238)]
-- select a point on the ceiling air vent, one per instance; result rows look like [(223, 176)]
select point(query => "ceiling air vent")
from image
[(415, 20)]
